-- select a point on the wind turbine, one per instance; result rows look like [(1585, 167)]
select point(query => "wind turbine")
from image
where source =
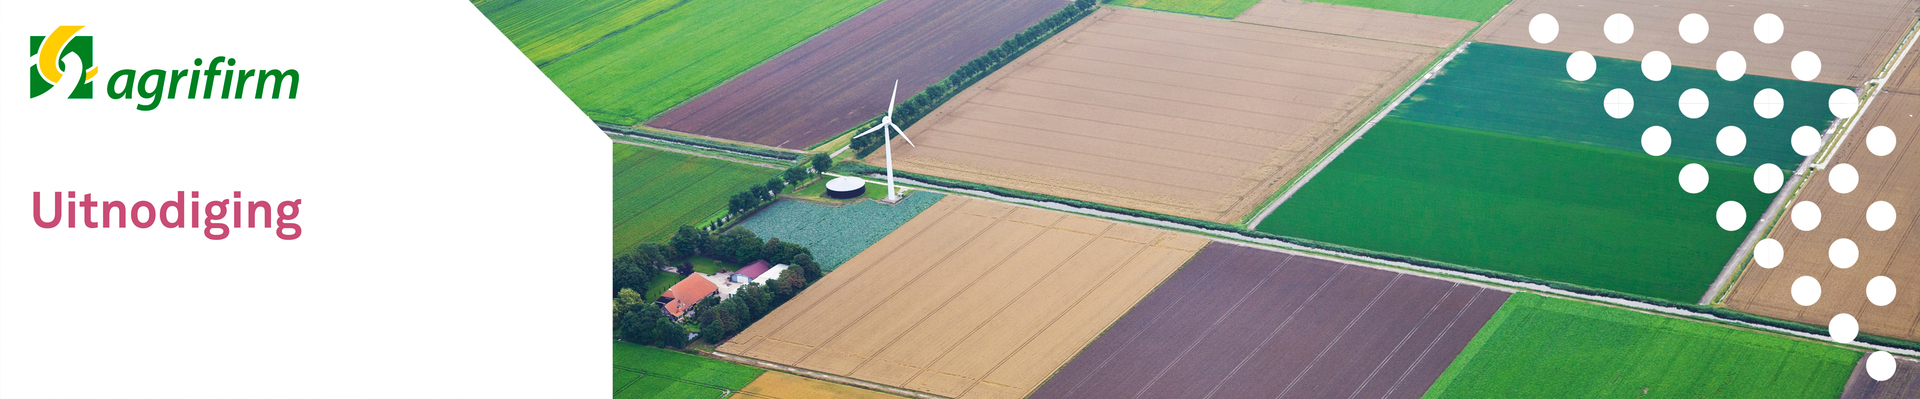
[(893, 194)]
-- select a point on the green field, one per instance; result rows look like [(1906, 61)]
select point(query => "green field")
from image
[(1212, 8), (662, 280), (655, 192), (650, 372), (835, 234), (1517, 90), (545, 30), (1541, 346), (1471, 10), (654, 65), (1580, 214)]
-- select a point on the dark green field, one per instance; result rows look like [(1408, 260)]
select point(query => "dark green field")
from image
[(1518, 91), (649, 372), (1539, 346), (1574, 213)]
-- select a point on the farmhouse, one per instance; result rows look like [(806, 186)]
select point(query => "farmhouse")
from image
[(681, 297)]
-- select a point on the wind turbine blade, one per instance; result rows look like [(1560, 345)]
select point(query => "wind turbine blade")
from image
[(877, 127), (894, 96), (902, 133)]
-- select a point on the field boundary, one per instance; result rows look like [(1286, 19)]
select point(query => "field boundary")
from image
[(1380, 113), (676, 138), (889, 389), (695, 153)]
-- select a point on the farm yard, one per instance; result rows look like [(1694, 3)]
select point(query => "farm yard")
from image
[(546, 30), (1465, 174), (645, 68), (645, 372), (1241, 322), (1173, 114), (1535, 345), (1471, 10), (788, 386), (970, 299), (842, 78), (1891, 253), (836, 234), (657, 191), (1851, 38), (1367, 23), (1211, 8)]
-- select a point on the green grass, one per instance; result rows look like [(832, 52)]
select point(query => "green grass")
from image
[(1538, 346), (1211, 8), (545, 30), (1579, 214), (1526, 92), (835, 234), (650, 67), (669, 374), (702, 264), (818, 191), (1471, 10), (655, 192), (661, 282)]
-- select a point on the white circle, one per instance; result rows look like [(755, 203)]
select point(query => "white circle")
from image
[(1619, 103), (1693, 103), (1843, 103), (1580, 66), (1731, 216), (1806, 216), (1806, 140), (1880, 365), (1880, 216), (1656, 65), (1843, 253), (1768, 178), (1843, 328), (1843, 178), (1806, 65), (1544, 28), (1731, 141), (1768, 253), (1656, 141), (1731, 66), (1880, 141), (1880, 291), (1619, 28), (1806, 291), (1693, 28), (1693, 178), (1768, 103), (1768, 28)]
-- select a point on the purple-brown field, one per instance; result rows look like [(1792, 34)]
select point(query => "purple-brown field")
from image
[(1241, 322), (841, 77)]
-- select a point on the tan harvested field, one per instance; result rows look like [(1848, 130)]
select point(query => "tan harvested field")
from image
[(1175, 114), (1358, 22), (1892, 253), (970, 299), (1852, 37), (774, 384)]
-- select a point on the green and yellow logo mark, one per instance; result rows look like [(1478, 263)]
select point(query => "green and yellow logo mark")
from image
[(52, 53)]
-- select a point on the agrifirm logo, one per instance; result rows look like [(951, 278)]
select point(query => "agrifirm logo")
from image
[(60, 58)]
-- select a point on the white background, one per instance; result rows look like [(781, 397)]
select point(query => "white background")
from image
[(455, 207)]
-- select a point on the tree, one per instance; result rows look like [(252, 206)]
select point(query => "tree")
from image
[(795, 175), (655, 255), (781, 252), (738, 245), (689, 241), (822, 162), (775, 186), (808, 267), (789, 284), (742, 201), (630, 273)]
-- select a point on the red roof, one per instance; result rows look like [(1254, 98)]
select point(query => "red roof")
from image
[(754, 270), (688, 292)]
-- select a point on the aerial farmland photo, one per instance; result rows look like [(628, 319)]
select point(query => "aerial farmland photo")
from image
[(1251, 198)]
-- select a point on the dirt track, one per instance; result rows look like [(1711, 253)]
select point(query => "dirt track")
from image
[(1892, 253), (842, 77), (1368, 23), (1852, 37), (1242, 322), (970, 299), (1167, 113)]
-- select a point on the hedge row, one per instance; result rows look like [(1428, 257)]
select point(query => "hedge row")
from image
[(1724, 313), (703, 142)]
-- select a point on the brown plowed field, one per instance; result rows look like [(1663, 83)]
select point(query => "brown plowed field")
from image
[(1904, 384), (774, 384), (1369, 23), (841, 78), (1175, 114), (970, 299), (1892, 253), (1241, 322), (1852, 37)]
